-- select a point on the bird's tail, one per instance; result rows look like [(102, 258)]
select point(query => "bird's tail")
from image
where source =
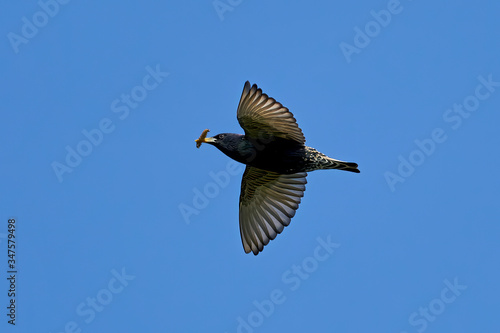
[(341, 165), (321, 162)]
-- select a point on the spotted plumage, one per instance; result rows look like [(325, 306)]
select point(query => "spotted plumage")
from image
[(277, 161)]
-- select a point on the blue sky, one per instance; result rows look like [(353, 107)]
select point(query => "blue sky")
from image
[(101, 103)]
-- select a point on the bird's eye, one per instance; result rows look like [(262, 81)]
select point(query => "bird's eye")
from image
[(221, 136)]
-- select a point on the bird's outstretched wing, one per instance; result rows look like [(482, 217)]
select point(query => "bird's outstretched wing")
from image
[(268, 201), (262, 117)]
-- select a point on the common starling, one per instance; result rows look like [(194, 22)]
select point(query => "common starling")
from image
[(277, 161)]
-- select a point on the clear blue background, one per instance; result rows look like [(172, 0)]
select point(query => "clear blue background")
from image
[(120, 207)]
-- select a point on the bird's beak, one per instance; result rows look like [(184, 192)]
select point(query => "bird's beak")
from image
[(203, 138), (209, 140)]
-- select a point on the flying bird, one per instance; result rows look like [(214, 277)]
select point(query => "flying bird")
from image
[(277, 161)]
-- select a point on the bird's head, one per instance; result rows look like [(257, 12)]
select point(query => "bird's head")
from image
[(228, 143), (224, 140)]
